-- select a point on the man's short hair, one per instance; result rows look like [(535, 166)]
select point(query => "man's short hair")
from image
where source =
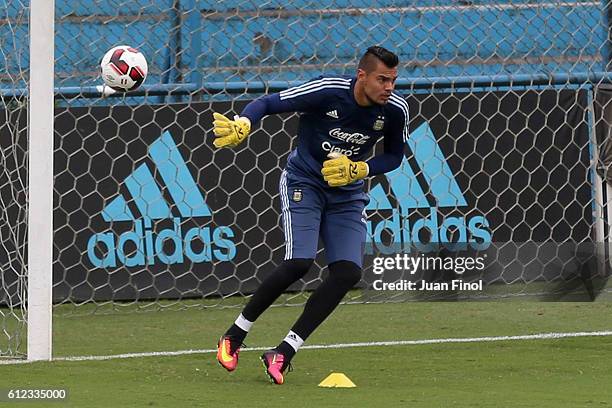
[(377, 53)]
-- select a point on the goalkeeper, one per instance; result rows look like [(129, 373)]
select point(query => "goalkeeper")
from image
[(321, 190)]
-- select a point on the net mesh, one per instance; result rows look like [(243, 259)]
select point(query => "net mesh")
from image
[(145, 210), (13, 176)]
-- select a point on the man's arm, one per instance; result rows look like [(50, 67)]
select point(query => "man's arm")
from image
[(266, 105), (230, 133), (339, 170), (301, 98), (390, 159), (395, 138)]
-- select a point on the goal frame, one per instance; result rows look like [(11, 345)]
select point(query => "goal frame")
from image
[(40, 180)]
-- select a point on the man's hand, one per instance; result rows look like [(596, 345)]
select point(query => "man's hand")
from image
[(230, 133), (340, 170)]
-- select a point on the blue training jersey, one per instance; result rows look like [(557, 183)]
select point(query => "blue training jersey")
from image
[(332, 121)]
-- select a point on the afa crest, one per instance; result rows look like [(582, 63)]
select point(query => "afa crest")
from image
[(297, 195), (379, 124)]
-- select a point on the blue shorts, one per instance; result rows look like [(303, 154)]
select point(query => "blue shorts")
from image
[(310, 211)]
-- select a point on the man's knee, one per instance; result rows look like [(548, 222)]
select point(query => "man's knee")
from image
[(347, 272), (298, 266)]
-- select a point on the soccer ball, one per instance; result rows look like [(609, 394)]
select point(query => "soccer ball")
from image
[(123, 68)]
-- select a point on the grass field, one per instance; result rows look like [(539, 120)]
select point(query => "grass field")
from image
[(566, 372)]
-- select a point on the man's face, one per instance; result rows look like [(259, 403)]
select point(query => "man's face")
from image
[(379, 83)]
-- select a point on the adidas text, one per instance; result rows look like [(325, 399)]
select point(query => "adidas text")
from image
[(142, 246), (472, 233)]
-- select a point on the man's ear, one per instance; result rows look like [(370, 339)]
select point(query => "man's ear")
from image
[(361, 74)]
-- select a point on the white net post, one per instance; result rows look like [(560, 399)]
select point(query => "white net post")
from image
[(40, 198)]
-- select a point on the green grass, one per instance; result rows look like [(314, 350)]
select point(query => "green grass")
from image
[(572, 372)]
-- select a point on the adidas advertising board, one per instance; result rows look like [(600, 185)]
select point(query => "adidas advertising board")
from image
[(149, 247), (483, 198), (145, 208), (434, 230)]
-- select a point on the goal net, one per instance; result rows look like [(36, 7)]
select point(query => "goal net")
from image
[(13, 176), (497, 189)]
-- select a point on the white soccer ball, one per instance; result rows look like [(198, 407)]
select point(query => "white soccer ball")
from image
[(123, 68)]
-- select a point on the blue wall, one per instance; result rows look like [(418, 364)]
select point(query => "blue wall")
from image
[(208, 40)]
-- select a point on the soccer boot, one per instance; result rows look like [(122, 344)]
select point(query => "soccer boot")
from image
[(275, 364), (227, 356)]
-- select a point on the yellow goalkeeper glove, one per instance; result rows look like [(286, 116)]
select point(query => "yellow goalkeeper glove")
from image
[(230, 133), (340, 170)]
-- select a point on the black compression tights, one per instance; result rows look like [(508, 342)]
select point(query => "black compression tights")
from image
[(343, 275), (274, 285)]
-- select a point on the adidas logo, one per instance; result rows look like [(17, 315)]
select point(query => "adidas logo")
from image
[(441, 191), (434, 169), (147, 195), (333, 114), (106, 250)]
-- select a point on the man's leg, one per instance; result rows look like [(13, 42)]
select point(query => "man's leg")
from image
[(343, 275), (301, 212), (343, 231), (270, 289)]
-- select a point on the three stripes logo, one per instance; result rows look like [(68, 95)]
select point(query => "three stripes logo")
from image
[(333, 114), (441, 191), (145, 246)]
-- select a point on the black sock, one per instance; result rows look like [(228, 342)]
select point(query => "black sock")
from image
[(286, 350), (343, 275), (274, 285), (236, 335)]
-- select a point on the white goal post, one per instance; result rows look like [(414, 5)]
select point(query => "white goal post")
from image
[(40, 179)]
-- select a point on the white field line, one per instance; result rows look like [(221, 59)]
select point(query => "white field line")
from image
[(540, 336)]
